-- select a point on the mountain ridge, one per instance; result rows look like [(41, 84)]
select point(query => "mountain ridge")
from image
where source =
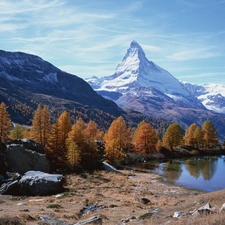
[(27, 80)]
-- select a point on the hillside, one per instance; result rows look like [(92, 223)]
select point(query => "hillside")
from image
[(28, 80)]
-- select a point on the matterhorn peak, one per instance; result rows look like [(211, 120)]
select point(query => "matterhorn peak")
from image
[(136, 71), (135, 50), (134, 44)]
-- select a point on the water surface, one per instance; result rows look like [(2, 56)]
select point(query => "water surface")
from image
[(201, 173)]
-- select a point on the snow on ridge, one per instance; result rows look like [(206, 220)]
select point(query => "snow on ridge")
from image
[(136, 69), (51, 77), (211, 95)]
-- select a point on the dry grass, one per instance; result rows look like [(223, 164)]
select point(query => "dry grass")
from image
[(117, 196)]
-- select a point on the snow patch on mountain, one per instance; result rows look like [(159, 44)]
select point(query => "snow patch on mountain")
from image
[(51, 77), (211, 95)]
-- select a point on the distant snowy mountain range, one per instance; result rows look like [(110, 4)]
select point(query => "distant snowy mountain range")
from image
[(139, 84), (212, 96)]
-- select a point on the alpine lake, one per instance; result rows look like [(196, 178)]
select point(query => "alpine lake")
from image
[(205, 173)]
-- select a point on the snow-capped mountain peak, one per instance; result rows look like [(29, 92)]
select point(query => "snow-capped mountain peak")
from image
[(135, 72)]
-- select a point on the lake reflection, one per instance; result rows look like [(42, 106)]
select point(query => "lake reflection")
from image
[(206, 173)]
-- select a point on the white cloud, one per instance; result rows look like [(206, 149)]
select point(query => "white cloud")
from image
[(193, 54)]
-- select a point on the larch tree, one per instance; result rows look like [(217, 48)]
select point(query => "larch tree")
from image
[(173, 136), (5, 122), (93, 151), (146, 139), (91, 131), (46, 117), (76, 135), (54, 149), (37, 126), (191, 136), (80, 122), (198, 137), (117, 140), (136, 131), (73, 154), (41, 125), (64, 128), (209, 133)]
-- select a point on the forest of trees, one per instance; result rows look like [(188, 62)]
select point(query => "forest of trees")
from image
[(84, 144)]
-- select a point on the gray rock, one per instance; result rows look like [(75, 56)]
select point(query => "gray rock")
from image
[(22, 160), (95, 220), (50, 220), (35, 183), (126, 220), (204, 210), (106, 166), (9, 188), (3, 166), (178, 214), (32, 145), (222, 207)]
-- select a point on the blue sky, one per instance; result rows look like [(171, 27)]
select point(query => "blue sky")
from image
[(86, 38)]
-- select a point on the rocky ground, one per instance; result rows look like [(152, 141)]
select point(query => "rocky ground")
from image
[(118, 198)]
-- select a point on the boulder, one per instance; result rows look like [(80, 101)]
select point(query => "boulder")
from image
[(3, 147), (32, 145), (3, 166), (9, 188), (22, 160), (50, 220), (92, 220), (178, 214), (35, 183)]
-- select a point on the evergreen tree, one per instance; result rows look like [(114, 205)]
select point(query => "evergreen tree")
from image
[(146, 139), (5, 122), (117, 140), (173, 136), (17, 132), (209, 134)]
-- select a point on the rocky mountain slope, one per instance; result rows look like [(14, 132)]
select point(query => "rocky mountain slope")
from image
[(141, 85), (27, 80)]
